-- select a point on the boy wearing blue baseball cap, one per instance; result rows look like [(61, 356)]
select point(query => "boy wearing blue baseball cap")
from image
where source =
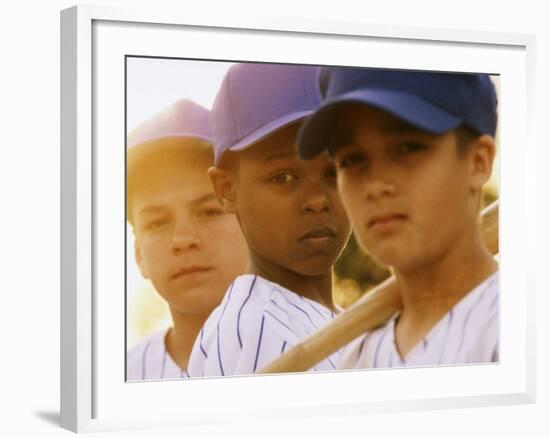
[(290, 214), (184, 242), (413, 151)]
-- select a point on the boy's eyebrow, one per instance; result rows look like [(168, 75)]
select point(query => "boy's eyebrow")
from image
[(339, 140), (204, 198), (279, 156), (400, 127), (152, 209)]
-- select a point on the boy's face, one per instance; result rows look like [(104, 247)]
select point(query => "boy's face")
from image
[(410, 195), (185, 244), (288, 208)]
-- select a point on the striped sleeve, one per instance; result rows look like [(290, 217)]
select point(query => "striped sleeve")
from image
[(265, 340), (381, 349), (475, 335), (256, 321), (222, 346), (352, 353), (146, 360), (137, 361)]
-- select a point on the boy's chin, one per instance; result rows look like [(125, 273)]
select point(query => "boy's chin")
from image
[(203, 309), (399, 263), (195, 301), (315, 267)]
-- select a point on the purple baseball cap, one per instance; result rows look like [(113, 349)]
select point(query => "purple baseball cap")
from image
[(183, 118), (256, 100), (435, 102)]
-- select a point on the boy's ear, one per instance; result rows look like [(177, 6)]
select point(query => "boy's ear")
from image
[(482, 153), (139, 259), (224, 185)]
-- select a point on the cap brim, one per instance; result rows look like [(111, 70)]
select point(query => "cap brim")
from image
[(315, 131), (269, 128)]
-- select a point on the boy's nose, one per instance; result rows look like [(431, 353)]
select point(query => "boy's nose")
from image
[(185, 239), (378, 188), (316, 203)]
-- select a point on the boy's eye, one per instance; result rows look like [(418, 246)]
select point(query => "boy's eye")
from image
[(409, 147), (211, 212), (282, 178), (156, 224), (330, 172), (350, 159)]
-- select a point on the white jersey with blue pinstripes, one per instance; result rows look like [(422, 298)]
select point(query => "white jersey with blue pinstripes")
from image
[(468, 333), (256, 321), (149, 360)]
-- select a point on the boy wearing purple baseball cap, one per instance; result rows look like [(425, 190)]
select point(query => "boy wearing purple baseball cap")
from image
[(184, 242), (290, 215), (413, 151)]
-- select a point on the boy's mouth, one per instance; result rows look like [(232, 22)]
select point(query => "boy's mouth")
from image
[(319, 233), (385, 219), (188, 270)]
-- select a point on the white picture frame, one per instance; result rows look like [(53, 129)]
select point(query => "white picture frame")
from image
[(93, 42)]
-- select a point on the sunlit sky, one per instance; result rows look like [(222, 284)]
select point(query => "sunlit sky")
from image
[(152, 85)]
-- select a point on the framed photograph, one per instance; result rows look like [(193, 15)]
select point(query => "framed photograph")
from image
[(108, 57)]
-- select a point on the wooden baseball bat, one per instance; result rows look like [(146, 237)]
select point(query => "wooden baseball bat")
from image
[(369, 312)]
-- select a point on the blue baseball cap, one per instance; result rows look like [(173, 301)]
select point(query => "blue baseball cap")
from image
[(183, 118), (256, 100), (435, 102)]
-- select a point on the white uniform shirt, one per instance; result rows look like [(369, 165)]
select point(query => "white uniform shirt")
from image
[(149, 360), (255, 323), (468, 333)]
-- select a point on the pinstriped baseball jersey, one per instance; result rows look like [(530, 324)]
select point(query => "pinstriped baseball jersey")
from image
[(468, 333), (149, 360), (256, 321)]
